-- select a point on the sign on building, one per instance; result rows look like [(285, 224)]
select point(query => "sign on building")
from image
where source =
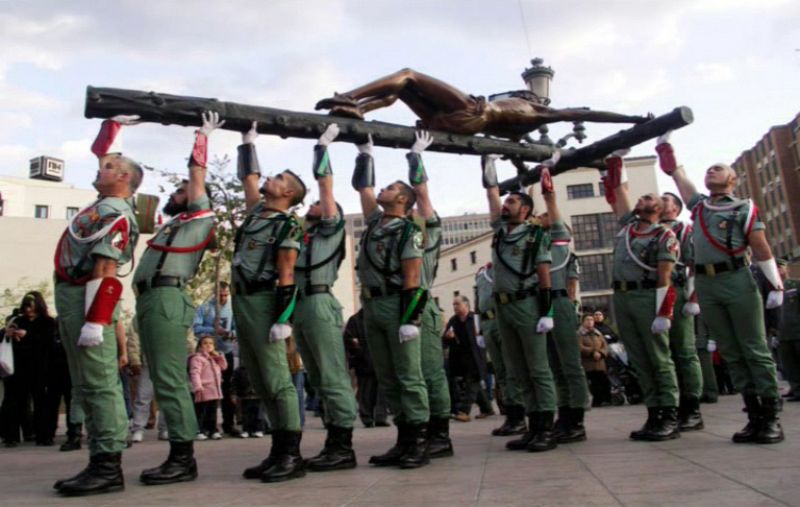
[(47, 168)]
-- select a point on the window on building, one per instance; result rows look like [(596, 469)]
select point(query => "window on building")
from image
[(473, 257), (42, 211), (594, 231), (581, 191), (601, 190), (596, 271), (453, 264), (71, 212)]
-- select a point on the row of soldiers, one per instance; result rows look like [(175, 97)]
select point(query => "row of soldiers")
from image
[(283, 269)]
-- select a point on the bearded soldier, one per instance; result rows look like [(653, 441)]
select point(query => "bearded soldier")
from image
[(729, 298), (97, 241), (165, 312)]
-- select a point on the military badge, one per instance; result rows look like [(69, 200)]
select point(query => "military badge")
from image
[(251, 245), (418, 240)]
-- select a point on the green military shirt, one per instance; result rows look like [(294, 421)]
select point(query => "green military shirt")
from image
[(790, 311), (379, 258), (322, 250), (508, 255), (256, 249), (187, 230), (683, 232), (433, 244), (106, 228), (484, 281), (636, 254), (565, 265), (732, 216)]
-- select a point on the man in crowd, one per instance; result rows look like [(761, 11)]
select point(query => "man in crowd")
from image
[(601, 325), (371, 401), (97, 241), (789, 332), (727, 293)]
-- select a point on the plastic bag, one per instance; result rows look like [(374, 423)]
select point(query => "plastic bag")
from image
[(6, 357)]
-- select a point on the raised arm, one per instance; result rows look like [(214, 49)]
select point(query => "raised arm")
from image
[(323, 171), (364, 178), (615, 183), (198, 161), (668, 163), (108, 143), (417, 175), (489, 174), (548, 191), (248, 170)]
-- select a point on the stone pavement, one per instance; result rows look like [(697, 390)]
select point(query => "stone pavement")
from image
[(701, 468)]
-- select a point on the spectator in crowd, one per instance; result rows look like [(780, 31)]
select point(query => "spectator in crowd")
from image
[(789, 333), (371, 404), (605, 329), (143, 394), (249, 404), (298, 373), (59, 386), (466, 361), (594, 350), (223, 329), (205, 371), (32, 333), (705, 347)]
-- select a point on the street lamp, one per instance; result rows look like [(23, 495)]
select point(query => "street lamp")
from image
[(538, 79)]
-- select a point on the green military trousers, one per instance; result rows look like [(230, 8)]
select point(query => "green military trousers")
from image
[(266, 361), (318, 332), (525, 354), (508, 388), (650, 353), (164, 315), (433, 361), (397, 365), (731, 306), (684, 350), (95, 374), (565, 356)]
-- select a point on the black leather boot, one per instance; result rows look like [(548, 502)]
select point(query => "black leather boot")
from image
[(520, 444), (73, 443), (575, 432), (416, 454), (439, 443), (289, 463), (749, 432), (770, 430), (652, 417), (562, 422), (689, 417), (543, 439), (393, 455), (514, 423), (103, 475), (275, 450), (180, 466), (666, 426), (338, 452)]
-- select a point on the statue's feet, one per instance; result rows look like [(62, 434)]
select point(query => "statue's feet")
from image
[(347, 112), (336, 100)]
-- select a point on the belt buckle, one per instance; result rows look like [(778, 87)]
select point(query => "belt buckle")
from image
[(711, 270), (504, 300), (623, 286), (490, 314)]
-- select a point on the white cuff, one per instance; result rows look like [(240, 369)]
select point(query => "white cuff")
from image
[(770, 269)]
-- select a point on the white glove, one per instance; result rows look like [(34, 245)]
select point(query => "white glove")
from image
[(91, 335), (210, 123), (774, 299), (329, 135), (620, 152), (250, 136), (126, 119), (279, 332), (711, 346), (664, 138), (366, 147), (774, 342), (660, 325), (553, 160), (408, 332), (691, 309), (424, 139), (481, 341), (545, 325)]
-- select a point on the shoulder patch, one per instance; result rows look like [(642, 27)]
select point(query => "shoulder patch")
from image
[(417, 239)]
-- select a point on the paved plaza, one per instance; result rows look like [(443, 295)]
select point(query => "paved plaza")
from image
[(701, 468)]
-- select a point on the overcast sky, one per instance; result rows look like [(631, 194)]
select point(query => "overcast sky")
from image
[(736, 63)]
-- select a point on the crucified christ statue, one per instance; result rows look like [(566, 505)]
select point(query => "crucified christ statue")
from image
[(443, 107)]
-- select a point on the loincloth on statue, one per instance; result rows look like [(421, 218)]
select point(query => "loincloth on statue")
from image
[(469, 120)]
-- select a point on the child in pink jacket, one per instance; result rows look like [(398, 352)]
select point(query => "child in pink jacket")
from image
[(205, 372)]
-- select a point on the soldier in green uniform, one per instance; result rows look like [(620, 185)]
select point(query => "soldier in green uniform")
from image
[(729, 299), (512, 399), (681, 333), (97, 241), (318, 315), (264, 295), (563, 345), (389, 269), (644, 257), (789, 332), (165, 312), (440, 444), (706, 345), (521, 260)]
